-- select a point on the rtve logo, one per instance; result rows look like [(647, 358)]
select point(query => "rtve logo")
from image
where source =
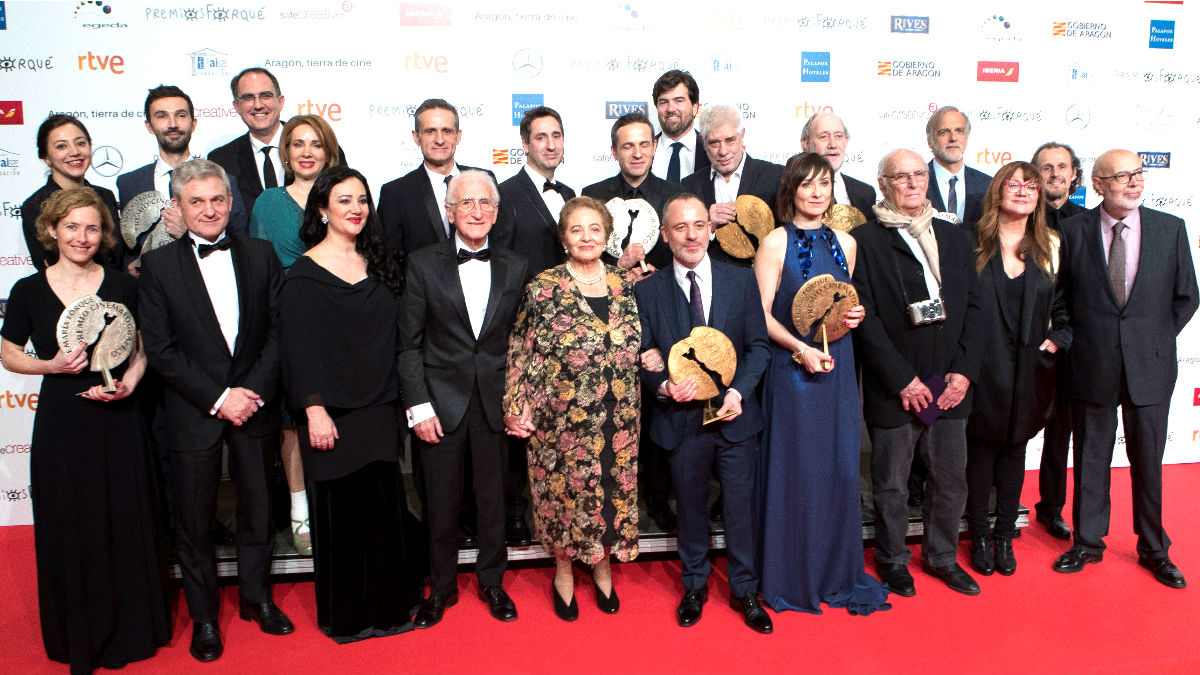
[(114, 64), (330, 111), (16, 400), (806, 110), (998, 158)]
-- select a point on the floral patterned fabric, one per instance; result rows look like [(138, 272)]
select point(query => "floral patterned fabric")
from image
[(562, 361)]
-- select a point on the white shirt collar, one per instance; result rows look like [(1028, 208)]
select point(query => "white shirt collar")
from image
[(459, 243), (737, 173), (258, 145), (703, 270)]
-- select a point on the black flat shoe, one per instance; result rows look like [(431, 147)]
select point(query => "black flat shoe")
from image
[(430, 612), (561, 609), (955, 577), (752, 613), (206, 641), (1006, 563), (269, 618), (499, 604), (609, 604), (1073, 560), (1164, 571)]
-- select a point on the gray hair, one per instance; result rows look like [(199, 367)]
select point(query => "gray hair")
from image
[(886, 162), (936, 119), (477, 174), (197, 169), (714, 115), (806, 132)]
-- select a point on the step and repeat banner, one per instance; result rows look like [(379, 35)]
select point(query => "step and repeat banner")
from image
[(1096, 76)]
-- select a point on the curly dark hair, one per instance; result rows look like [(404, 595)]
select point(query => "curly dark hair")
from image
[(370, 244)]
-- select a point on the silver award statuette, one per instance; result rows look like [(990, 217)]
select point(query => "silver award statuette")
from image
[(107, 325), (143, 214), (634, 222)]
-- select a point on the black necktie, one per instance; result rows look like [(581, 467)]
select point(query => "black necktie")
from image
[(696, 302), (548, 186), (269, 179), (222, 245), (484, 254), (673, 165)]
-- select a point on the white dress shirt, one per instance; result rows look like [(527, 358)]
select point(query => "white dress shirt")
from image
[(162, 177), (727, 191), (703, 270), (931, 283), (942, 178), (687, 154), (840, 194), (258, 145), (221, 283), (438, 182), (554, 200)]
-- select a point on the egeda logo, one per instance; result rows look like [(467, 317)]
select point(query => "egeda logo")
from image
[(524, 102), (1162, 34), (814, 66)]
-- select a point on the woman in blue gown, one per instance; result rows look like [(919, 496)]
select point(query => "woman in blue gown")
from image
[(810, 516)]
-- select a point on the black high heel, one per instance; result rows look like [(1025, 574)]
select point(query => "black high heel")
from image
[(561, 609)]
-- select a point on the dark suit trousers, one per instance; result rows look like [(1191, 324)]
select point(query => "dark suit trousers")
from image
[(1002, 465), (1056, 443), (1095, 428), (943, 447), (196, 475), (444, 465), (692, 465)]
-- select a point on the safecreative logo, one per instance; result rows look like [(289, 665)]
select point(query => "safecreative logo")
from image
[(1155, 160), (11, 112), (998, 71), (1162, 34), (814, 66)]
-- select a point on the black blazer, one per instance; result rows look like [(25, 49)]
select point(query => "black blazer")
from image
[(893, 351), (977, 185), (737, 312), (134, 183), (862, 196), (1138, 339), (184, 342), (1015, 391), (411, 217), (526, 227), (441, 361), (702, 163), (41, 258), (1055, 216), (759, 178), (656, 191), (238, 159)]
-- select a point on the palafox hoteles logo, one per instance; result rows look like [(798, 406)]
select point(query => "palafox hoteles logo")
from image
[(998, 71)]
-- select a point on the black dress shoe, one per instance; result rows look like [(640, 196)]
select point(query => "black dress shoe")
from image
[(1164, 571), (516, 533), (691, 607), (1006, 564), (206, 641), (955, 577), (1055, 525), (663, 517), (608, 604), (430, 612), (561, 609), (897, 578), (1073, 560), (916, 494), (981, 555), (269, 618), (752, 612), (499, 604)]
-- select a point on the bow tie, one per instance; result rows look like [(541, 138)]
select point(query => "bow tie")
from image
[(548, 186), (484, 254), (222, 244)]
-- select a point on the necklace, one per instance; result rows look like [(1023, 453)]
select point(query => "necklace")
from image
[(804, 246), (575, 275)]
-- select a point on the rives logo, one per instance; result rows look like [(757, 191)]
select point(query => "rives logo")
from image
[(1155, 160), (910, 24), (614, 109)]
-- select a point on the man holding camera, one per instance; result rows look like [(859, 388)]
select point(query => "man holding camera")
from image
[(919, 347)]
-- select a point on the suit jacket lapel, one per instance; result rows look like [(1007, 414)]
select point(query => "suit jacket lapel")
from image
[(241, 275), (1094, 243), (193, 282), (717, 309), (749, 175), (679, 302), (1000, 289), (448, 267), (534, 195), (1033, 279), (431, 206), (933, 191), (249, 167), (499, 268), (1150, 242)]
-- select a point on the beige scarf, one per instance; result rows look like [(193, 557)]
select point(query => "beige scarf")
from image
[(918, 227)]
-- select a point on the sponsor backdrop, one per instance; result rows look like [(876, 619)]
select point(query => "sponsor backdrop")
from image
[(1096, 76)]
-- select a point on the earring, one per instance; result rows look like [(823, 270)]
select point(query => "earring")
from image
[(324, 220)]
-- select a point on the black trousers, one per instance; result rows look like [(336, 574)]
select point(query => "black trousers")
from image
[(444, 467), (196, 477), (1002, 465), (1056, 443)]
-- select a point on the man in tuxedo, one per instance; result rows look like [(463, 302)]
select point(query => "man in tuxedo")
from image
[(633, 147), (208, 310), (1061, 175), (907, 256), (458, 308), (411, 207), (954, 187), (676, 97), (733, 172), (1131, 287), (826, 135), (699, 291), (170, 118)]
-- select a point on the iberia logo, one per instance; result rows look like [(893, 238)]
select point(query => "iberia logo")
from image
[(11, 112), (885, 68), (998, 71), (1060, 28)]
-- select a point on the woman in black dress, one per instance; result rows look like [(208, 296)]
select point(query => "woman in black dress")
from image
[(339, 313), (1017, 262), (65, 145), (101, 590)]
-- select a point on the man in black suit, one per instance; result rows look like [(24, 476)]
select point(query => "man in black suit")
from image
[(633, 147), (1061, 175), (676, 97), (209, 317), (698, 291), (954, 188), (906, 257), (733, 172), (457, 311), (826, 135), (170, 118), (1131, 287)]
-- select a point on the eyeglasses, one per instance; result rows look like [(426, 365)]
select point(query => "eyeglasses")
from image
[(914, 178), (265, 97), (1123, 177), (468, 205), (1015, 186)]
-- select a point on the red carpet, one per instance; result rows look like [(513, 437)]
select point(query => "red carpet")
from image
[(1111, 618)]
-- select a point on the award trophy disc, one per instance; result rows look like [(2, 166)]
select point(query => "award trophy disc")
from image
[(143, 214), (819, 306), (109, 326), (755, 220), (709, 357), (843, 217), (634, 222)]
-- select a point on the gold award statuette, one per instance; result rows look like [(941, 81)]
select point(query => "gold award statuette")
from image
[(634, 222), (818, 308), (707, 356), (755, 220), (109, 326), (843, 217)]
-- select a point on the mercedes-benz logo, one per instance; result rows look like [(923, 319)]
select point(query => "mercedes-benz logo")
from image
[(107, 161), (527, 63), (1078, 117)]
